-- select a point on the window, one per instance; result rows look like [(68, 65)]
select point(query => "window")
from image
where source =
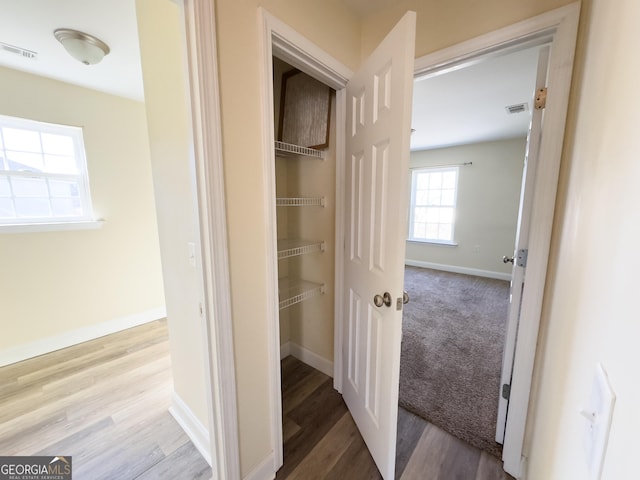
[(43, 173), (433, 204)]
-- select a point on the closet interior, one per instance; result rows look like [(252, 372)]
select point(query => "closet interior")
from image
[(305, 173)]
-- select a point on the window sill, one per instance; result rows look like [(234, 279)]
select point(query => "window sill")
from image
[(440, 243), (51, 227)]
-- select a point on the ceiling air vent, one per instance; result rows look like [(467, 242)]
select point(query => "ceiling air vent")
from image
[(517, 108), (23, 52)]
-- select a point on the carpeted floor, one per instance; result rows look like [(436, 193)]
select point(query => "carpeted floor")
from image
[(452, 343)]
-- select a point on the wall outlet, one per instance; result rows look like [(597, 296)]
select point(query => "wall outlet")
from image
[(598, 415)]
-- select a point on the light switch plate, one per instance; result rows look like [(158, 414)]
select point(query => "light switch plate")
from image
[(598, 416)]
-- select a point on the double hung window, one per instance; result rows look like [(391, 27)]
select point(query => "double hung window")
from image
[(43, 173), (433, 204)]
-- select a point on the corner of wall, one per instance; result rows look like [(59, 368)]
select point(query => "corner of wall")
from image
[(192, 426)]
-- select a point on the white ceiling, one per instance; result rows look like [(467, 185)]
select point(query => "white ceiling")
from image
[(30, 24), (464, 106), (468, 105)]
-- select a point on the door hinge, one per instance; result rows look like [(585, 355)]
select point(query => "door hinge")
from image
[(506, 391), (541, 98), (521, 260)]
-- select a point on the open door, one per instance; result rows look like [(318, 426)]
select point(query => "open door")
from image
[(519, 258), (377, 160)]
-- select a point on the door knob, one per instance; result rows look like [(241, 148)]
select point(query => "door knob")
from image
[(384, 299), (506, 259), (405, 297)]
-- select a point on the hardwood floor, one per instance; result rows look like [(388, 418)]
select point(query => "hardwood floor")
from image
[(103, 402), (321, 440)]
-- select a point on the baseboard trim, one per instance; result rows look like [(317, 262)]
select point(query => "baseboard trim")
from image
[(265, 470), (455, 269), (74, 337), (191, 425), (285, 350), (307, 356)]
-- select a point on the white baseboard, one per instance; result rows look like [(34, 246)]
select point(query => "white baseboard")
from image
[(307, 356), (73, 337), (265, 470), (285, 350), (192, 426), (455, 269)]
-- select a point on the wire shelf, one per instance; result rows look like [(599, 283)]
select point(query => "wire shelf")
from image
[(292, 291), (294, 247), (300, 202), (287, 149)]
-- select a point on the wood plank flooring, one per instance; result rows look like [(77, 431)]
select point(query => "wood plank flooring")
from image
[(321, 440), (103, 402)]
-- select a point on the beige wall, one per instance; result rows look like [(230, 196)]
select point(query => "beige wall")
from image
[(487, 205), (52, 283), (312, 321), (591, 313), (161, 47), (441, 24), (239, 57)]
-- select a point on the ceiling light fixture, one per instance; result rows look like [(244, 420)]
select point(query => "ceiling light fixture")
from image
[(83, 47)]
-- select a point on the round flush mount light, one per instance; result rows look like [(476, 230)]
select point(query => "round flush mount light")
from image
[(83, 47)]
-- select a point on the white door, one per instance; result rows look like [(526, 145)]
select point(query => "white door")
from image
[(521, 244), (377, 160)]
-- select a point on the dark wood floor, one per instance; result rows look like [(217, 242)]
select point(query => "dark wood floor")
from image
[(321, 440), (104, 403)]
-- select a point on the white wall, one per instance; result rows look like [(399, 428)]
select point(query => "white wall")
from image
[(163, 68), (591, 312), (70, 284), (486, 209)]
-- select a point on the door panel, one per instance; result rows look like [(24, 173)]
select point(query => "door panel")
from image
[(356, 189), (521, 243), (377, 144), (379, 194)]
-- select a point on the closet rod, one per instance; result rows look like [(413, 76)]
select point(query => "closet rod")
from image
[(444, 165)]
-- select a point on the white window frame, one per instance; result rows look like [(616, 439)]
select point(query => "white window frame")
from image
[(45, 223), (415, 172)]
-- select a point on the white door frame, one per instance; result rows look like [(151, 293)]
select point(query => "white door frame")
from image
[(559, 28), (281, 40), (204, 98)]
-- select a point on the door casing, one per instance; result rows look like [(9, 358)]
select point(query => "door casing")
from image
[(280, 40), (213, 253), (557, 27)]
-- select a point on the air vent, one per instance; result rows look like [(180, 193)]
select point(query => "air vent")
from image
[(23, 52), (517, 108)]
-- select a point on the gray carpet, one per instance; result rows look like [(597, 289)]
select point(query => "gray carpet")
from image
[(452, 343)]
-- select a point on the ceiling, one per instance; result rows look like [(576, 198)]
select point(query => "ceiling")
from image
[(468, 105), (464, 106), (29, 24)]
